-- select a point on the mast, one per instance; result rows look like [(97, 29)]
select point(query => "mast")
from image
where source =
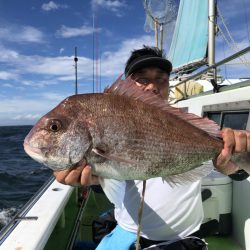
[(75, 60), (211, 36)]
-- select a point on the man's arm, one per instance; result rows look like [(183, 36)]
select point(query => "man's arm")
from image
[(81, 175), (235, 141)]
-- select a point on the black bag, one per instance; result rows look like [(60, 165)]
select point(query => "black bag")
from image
[(106, 222), (103, 225), (189, 243)]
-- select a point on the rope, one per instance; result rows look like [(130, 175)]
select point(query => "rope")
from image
[(231, 45), (247, 21), (140, 215)]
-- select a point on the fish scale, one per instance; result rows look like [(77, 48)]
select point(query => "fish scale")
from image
[(157, 133)]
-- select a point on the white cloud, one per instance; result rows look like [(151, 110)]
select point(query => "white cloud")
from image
[(56, 66), (27, 110), (53, 96), (53, 70), (39, 83), (7, 75), (7, 85), (61, 68), (61, 50), (67, 78), (68, 32), (113, 63), (53, 6), (31, 34), (15, 33), (111, 5), (20, 110), (7, 54), (27, 117)]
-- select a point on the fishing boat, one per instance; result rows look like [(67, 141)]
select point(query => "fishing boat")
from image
[(58, 216)]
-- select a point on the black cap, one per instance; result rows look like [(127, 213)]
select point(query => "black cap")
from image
[(147, 61)]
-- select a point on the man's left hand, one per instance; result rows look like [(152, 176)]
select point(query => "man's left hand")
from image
[(235, 141)]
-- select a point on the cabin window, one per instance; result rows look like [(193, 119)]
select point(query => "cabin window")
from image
[(215, 116), (229, 119), (236, 120)]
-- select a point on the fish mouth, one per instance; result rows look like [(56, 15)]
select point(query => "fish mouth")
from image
[(38, 155), (33, 152)]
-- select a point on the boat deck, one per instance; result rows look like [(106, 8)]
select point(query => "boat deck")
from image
[(98, 202), (222, 243), (72, 221)]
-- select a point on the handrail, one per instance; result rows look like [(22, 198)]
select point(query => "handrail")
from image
[(21, 214), (228, 59), (45, 212)]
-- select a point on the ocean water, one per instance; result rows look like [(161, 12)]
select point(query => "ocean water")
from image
[(20, 176)]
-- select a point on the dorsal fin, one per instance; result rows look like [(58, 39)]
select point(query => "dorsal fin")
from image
[(129, 89)]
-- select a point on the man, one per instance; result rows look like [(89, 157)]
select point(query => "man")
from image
[(170, 213)]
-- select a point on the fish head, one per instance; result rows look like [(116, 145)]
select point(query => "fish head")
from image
[(60, 139)]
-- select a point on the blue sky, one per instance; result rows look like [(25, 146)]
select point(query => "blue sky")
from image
[(37, 41)]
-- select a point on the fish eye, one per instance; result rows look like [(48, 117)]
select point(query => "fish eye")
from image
[(55, 125)]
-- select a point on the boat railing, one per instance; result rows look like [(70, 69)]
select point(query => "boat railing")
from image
[(20, 215), (212, 67), (33, 225)]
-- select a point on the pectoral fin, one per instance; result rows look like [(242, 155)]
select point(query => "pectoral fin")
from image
[(113, 157)]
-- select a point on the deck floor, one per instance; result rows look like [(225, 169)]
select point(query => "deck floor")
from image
[(222, 243)]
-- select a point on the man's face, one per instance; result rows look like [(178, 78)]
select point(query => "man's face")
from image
[(152, 79)]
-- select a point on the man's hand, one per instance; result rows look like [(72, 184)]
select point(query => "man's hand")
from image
[(80, 175), (235, 141)]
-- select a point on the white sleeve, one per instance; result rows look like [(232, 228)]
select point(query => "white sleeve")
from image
[(114, 190)]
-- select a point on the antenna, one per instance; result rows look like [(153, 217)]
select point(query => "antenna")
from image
[(76, 60), (93, 43), (96, 57)]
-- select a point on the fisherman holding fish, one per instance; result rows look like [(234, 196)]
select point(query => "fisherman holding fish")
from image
[(172, 211)]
